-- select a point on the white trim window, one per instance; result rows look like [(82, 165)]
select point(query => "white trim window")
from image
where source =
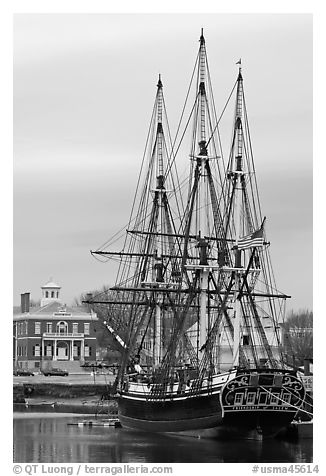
[(238, 399), (251, 397), (48, 351), (37, 329), (274, 398), (62, 328), (37, 350), (75, 327), (287, 398), (86, 328), (86, 351), (49, 327)]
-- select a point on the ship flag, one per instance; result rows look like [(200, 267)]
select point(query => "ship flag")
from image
[(253, 240)]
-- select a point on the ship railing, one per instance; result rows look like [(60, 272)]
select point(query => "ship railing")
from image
[(178, 387)]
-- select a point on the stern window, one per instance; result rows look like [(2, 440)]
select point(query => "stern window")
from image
[(238, 399), (274, 398), (251, 398), (263, 398), (287, 397)]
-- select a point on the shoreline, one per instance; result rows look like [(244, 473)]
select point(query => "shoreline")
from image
[(82, 405), (58, 397)]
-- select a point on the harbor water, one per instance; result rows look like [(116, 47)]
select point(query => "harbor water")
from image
[(51, 438)]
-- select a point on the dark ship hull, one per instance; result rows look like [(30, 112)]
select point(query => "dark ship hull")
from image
[(251, 405)]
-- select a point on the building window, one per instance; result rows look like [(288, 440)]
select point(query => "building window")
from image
[(75, 351), (52, 294), (75, 327), (37, 328), (87, 351), (36, 350), (49, 351), (62, 327), (246, 340), (86, 328), (57, 294), (49, 327), (147, 345), (46, 294)]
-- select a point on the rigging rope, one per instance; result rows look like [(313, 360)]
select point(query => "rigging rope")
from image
[(283, 401)]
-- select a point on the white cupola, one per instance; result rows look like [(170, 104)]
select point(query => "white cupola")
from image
[(50, 293)]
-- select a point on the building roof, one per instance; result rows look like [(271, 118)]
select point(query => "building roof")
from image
[(51, 284), (56, 310)]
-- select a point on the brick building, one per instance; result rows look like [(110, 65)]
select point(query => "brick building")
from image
[(53, 334)]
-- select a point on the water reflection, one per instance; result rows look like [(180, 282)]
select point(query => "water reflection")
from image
[(49, 439)]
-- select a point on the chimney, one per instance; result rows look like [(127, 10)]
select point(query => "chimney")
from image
[(27, 302), (22, 303)]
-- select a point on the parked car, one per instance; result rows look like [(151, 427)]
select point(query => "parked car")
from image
[(23, 373), (53, 372)]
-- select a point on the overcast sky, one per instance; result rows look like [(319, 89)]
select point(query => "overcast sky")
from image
[(84, 86)]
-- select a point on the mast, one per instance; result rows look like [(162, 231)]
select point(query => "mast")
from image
[(250, 258), (149, 261), (158, 267), (203, 219), (201, 161), (238, 174)]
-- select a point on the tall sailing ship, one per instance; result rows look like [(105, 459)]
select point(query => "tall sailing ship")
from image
[(195, 309)]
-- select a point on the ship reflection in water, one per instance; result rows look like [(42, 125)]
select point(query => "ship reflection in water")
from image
[(49, 439)]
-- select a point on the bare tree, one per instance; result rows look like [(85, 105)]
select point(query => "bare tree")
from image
[(298, 337)]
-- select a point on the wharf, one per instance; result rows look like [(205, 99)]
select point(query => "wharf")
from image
[(89, 406), (51, 395)]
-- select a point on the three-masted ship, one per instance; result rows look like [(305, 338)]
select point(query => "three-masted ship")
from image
[(195, 309)]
